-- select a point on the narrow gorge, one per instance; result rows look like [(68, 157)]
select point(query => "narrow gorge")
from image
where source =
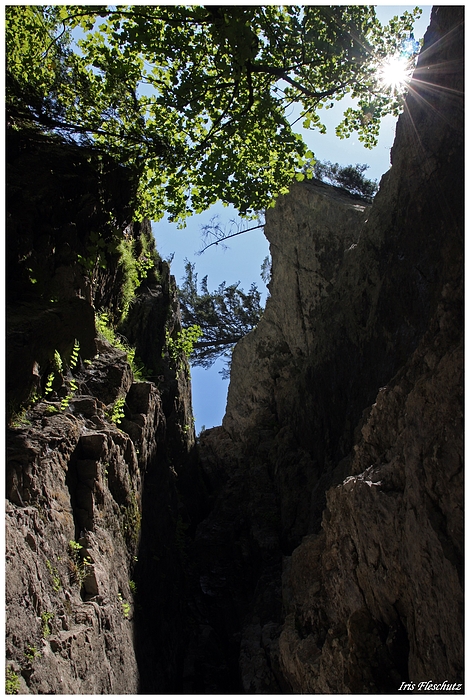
[(312, 543)]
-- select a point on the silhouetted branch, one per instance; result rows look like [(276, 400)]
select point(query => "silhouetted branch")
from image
[(232, 235)]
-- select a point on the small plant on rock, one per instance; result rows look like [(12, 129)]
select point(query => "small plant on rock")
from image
[(184, 342), (57, 362), (116, 414), (12, 682), (182, 345), (126, 607), (49, 383), (56, 582), (31, 653), (59, 368), (74, 355), (50, 410), (46, 617), (131, 520), (19, 418), (137, 258), (106, 330), (79, 566), (66, 400)]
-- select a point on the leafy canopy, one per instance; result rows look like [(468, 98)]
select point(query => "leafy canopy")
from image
[(194, 98)]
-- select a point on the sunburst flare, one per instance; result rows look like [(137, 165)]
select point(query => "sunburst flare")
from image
[(394, 73)]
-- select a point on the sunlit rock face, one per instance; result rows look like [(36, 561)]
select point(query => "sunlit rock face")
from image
[(71, 478), (294, 382), (313, 232), (345, 411)]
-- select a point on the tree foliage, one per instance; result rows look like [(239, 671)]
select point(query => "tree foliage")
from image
[(350, 177), (224, 316), (195, 98)]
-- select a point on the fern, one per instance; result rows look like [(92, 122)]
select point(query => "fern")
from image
[(74, 356)]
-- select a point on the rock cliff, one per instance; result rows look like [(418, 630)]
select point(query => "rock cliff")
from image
[(313, 542), (343, 427), (100, 459)]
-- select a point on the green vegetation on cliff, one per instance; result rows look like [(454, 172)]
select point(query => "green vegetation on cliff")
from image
[(349, 177)]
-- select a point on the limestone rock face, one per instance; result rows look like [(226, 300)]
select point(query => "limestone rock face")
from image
[(311, 232), (345, 411)]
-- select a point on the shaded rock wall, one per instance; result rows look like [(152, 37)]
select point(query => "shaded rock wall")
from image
[(104, 615), (60, 201), (343, 428), (386, 599), (95, 621)]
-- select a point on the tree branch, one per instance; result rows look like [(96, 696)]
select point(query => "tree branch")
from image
[(232, 235), (282, 75), (217, 343)]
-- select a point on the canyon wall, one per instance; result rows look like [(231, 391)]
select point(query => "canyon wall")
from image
[(100, 443), (344, 419)]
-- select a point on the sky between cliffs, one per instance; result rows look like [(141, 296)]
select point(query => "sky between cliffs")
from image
[(241, 260)]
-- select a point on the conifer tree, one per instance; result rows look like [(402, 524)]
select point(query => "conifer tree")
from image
[(225, 316)]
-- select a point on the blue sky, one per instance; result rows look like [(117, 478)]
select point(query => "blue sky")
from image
[(242, 259)]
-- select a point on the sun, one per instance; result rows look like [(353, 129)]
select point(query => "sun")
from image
[(394, 73)]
